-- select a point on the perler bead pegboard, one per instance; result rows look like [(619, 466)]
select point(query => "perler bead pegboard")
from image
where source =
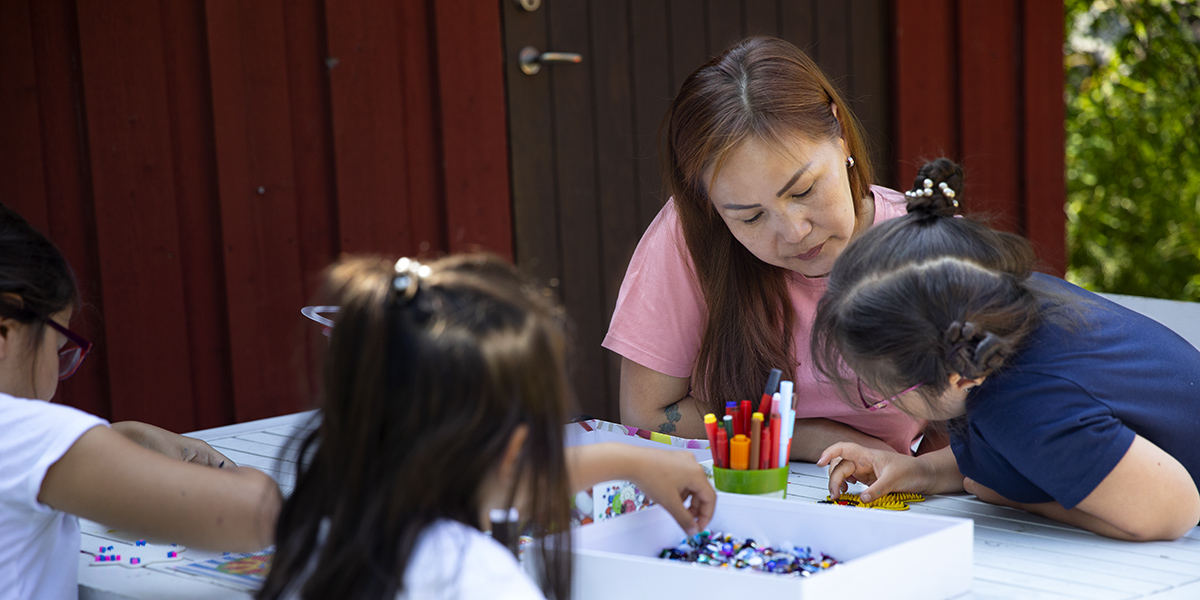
[(892, 501)]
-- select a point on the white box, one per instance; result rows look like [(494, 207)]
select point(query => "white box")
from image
[(884, 554)]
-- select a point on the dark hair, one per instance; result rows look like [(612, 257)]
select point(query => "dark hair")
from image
[(769, 90), (33, 268), (917, 298), (423, 388)]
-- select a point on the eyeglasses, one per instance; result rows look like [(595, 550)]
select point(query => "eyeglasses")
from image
[(878, 404), (71, 355)]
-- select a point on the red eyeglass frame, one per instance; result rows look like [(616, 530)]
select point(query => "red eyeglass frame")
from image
[(882, 403), (84, 347)]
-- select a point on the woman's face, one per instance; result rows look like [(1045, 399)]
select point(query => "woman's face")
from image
[(791, 207)]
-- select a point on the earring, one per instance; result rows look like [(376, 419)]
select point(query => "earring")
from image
[(849, 162)]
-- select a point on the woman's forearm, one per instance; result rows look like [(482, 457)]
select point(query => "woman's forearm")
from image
[(812, 436)]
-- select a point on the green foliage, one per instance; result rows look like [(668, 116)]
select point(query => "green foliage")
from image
[(1133, 146)]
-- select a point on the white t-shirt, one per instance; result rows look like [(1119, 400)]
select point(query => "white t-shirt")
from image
[(453, 560), (39, 546)]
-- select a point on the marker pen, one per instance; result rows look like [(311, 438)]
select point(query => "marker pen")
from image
[(772, 385), (739, 453), (710, 428), (776, 428), (764, 461), (721, 457), (746, 412), (789, 421), (727, 423), (755, 439)]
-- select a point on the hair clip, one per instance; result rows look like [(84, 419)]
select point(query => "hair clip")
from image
[(926, 190), (408, 272), (948, 192)]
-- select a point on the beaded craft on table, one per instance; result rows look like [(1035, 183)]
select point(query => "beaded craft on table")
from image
[(892, 501), (725, 551), (113, 547)]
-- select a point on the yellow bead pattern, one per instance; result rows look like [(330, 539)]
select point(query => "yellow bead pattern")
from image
[(892, 501)]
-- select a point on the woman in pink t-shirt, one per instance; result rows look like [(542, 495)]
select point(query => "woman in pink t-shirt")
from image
[(770, 179)]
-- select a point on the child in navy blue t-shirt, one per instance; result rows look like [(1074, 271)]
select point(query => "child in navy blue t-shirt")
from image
[(1057, 401)]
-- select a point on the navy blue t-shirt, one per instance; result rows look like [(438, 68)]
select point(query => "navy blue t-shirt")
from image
[(1056, 420)]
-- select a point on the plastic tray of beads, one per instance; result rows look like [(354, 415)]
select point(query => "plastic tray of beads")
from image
[(882, 554)]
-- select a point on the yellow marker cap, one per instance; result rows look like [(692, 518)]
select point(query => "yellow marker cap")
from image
[(757, 415), (710, 418)]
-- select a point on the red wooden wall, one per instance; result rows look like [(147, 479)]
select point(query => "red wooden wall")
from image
[(199, 162), (981, 81)]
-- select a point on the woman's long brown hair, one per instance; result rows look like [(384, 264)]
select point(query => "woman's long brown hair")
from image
[(421, 394), (769, 90)]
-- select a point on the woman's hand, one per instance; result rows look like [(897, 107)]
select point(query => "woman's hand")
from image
[(884, 471), (172, 445)]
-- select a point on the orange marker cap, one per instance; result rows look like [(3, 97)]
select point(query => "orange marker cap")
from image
[(739, 452)]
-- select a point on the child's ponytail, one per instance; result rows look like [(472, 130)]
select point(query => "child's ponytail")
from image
[(975, 352), (936, 190)]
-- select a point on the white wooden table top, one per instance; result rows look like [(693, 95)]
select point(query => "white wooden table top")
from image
[(1017, 555)]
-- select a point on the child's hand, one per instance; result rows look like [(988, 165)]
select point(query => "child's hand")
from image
[(671, 476), (171, 444), (883, 471)]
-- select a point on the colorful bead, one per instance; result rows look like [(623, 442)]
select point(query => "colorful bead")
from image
[(725, 551)]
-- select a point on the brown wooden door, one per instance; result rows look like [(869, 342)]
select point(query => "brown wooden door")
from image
[(585, 174)]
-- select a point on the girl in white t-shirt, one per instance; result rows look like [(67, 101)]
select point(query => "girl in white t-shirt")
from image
[(57, 462), (444, 398)]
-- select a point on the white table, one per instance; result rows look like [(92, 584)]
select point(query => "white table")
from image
[(1017, 555), (257, 444)]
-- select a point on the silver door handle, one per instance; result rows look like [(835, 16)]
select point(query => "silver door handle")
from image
[(531, 59)]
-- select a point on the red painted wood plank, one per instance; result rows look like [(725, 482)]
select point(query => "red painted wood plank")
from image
[(21, 173), (253, 142), (137, 222), (1044, 161), (424, 175), (990, 114), (68, 189), (195, 177), (925, 84), (368, 127), (312, 139), (472, 115)]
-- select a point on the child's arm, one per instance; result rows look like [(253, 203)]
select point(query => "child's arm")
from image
[(172, 445), (667, 476), (1149, 495), (107, 478), (887, 471)]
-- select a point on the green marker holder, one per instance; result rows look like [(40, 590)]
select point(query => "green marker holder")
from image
[(770, 483)]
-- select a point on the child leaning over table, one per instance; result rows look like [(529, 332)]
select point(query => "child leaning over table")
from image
[(57, 462), (443, 398), (1059, 402)]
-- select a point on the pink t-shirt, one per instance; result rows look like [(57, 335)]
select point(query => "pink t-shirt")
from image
[(660, 316)]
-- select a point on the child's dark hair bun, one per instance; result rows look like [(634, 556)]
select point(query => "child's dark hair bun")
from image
[(937, 191)]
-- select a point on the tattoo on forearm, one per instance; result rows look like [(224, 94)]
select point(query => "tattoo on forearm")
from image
[(672, 414)]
